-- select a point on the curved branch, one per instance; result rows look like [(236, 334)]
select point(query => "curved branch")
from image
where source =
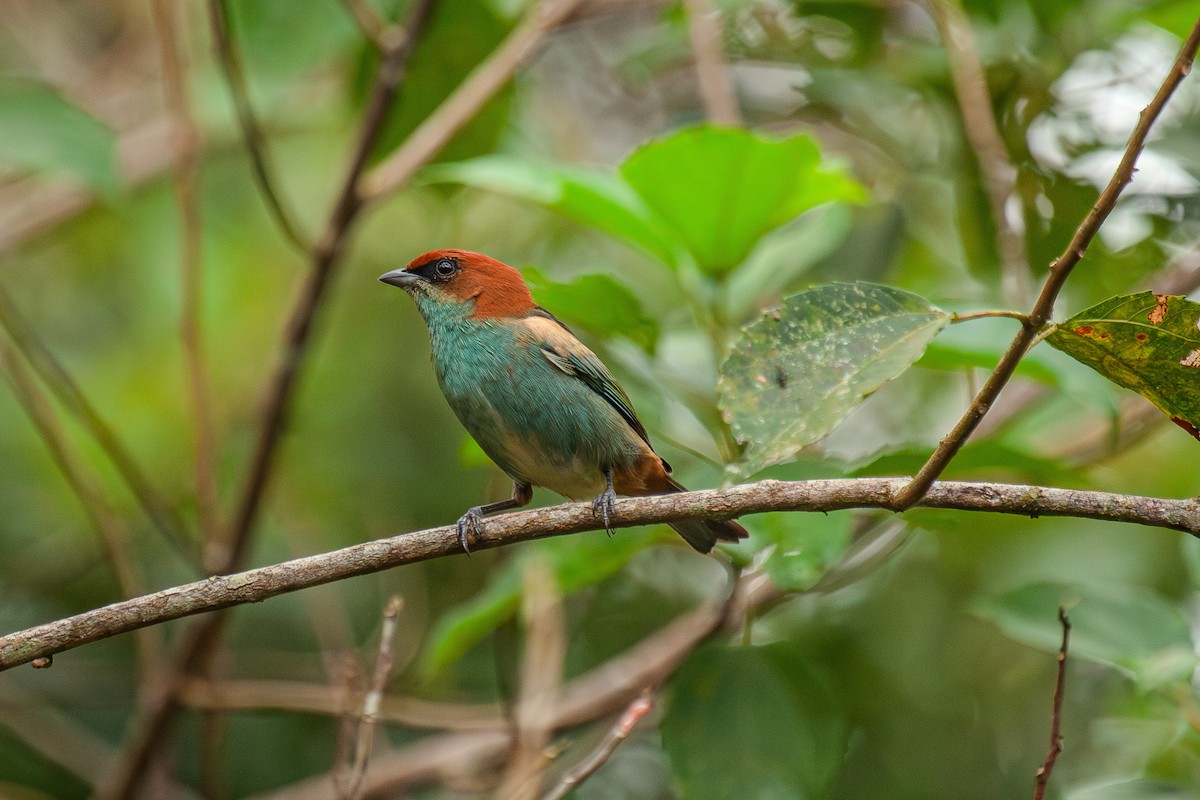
[(255, 585), (1060, 269)]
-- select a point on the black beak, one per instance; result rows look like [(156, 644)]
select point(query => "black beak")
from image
[(400, 277)]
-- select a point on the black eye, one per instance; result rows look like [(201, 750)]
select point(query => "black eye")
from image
[(445, 268)]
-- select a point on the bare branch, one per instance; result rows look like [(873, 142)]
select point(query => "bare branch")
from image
[(983, 134), (1056, 742), (619, 733), (326, 255), (225, 552), (63, 386), (252, 133), (186, 141), (374, 27), (224, 591), (369, 715), (712, 69), (460, 107), (1060, 269), (541, 684)]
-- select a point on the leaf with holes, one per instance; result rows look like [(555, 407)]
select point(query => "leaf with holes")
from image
[(1146, 342), (797, 372)]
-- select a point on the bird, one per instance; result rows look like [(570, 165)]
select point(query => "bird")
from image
[(540, 404)]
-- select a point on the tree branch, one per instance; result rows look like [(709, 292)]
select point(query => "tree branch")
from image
[(252, 134), (186, 145), (712, 69), (1060, 683), (983, 134), (224, 591), (1060, 269), (460, 107)]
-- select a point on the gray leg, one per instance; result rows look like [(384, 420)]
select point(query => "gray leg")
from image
[(470, 523), (605, 503)]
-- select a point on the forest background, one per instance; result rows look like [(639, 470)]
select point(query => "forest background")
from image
[(203, 375)]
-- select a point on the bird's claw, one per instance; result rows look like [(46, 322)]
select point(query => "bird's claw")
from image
[(605, 507), (469, 524)]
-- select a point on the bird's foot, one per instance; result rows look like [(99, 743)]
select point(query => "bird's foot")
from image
[(470, 525), (605, 504)]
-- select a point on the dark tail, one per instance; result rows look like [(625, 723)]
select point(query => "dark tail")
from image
[(702, 534)]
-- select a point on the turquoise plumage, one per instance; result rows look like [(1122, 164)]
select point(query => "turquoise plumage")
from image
[(539, 403)]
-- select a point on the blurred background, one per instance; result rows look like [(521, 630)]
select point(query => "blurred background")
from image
[(147, 290)]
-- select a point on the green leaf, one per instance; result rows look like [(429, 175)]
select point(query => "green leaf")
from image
[(576, 561), (598, 199), (799, 548), (987, 457), (797, 372), (1128, 627), (1146, 342), (599, 304), (722, 189), (457, 37), (753, 723), (43, 132)]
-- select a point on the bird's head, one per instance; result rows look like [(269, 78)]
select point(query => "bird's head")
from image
[(461, 278)]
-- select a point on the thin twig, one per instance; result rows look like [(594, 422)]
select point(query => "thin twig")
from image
[(597, 693), (64, 388), (186, 140), (619, 733), (374, 27), (369, 716), (197, 643), (712, 69), (460, 107), (252, 133), (114, 538), (967, 316), (1056, 740), (348, 721), (254, 585), (316, 698), (979, 122), (326, 255), (1060, 269), (541, 685)]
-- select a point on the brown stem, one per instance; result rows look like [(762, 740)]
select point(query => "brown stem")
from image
[(252, 134), (198, 642), (460, 107), (596, 759), (983, 134), (1056, 741), (186, 141), (64, 388), (712, 69), (1060, 269), (259, 584)]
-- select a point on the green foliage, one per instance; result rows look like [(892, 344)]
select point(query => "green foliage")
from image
[(1146, 342), (597, 303), (575, 564), (1127, 627), (898, 661), (721, 189), (798, 371), (760, 723), (43, 132), (596, 198)]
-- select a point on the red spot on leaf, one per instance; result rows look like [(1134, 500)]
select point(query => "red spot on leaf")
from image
[(1141, 337), (1084, 330), (1187, 426)]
